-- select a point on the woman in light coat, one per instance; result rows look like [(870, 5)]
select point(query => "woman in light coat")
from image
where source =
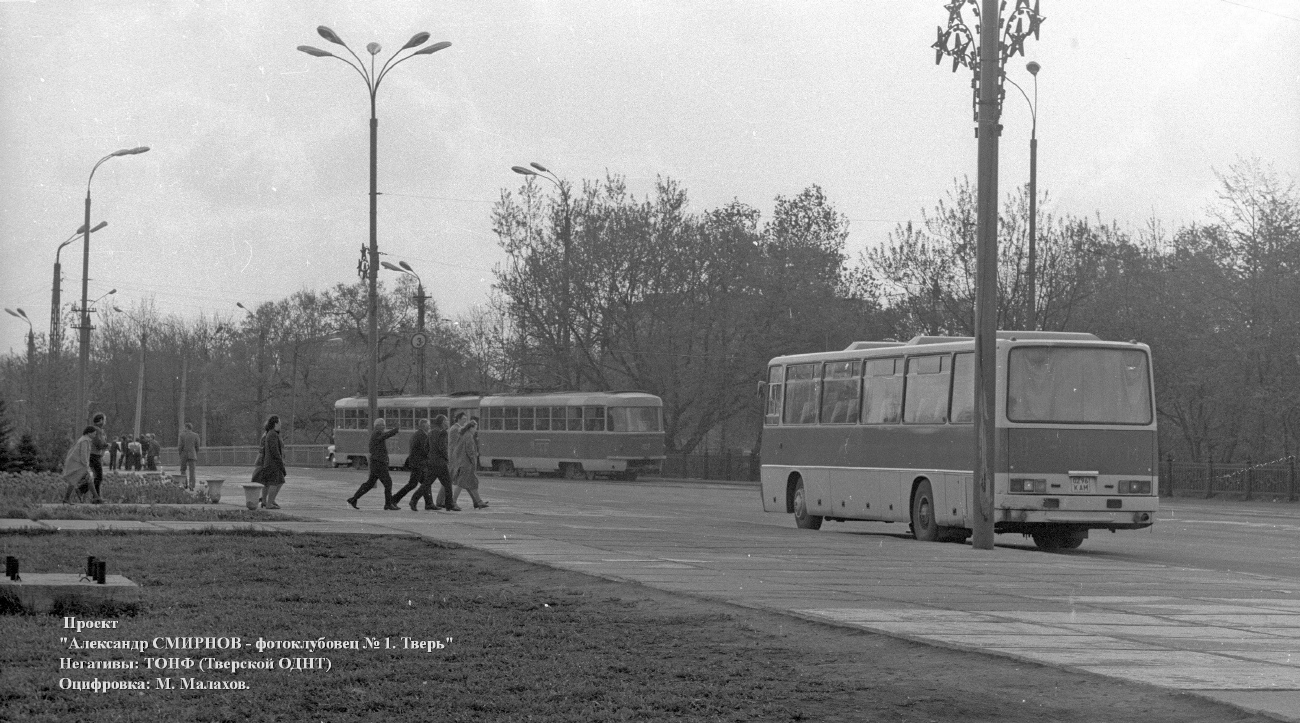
[(465, 459), (76, 466)]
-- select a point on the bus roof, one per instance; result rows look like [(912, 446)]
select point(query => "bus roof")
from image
[(576, 399), (409, 402), (941, 343)]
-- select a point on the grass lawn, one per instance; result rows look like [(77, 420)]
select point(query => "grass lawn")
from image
[(522, 643)]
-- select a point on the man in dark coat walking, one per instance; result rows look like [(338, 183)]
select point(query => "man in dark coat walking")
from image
[(417, 460), (439, 466), (378, 466)]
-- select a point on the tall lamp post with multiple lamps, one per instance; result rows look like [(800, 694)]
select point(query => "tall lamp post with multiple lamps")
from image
[(986, 60), (84, 356), (566, 239), (31, 359), (372, 80), (421, 340), (1031, 276)]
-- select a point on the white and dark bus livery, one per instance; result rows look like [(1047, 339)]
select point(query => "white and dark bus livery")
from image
[(574, 434), (352, 423), (884, 431)]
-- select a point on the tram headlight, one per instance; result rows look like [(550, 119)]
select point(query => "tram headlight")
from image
[(1026, 486), (1135, 486)]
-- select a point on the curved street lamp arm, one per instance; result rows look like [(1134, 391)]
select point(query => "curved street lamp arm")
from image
[(390, 64), (1033, 112)]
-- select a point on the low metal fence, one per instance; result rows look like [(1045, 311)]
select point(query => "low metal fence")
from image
[(295, 455), (1273, 480)]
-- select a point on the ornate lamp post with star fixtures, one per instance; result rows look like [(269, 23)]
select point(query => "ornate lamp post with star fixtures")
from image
[(373, 79), (956, 41)]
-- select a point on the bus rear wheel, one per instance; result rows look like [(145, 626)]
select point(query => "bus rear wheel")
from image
[(802, 519), (924, 527), (1059, 538)]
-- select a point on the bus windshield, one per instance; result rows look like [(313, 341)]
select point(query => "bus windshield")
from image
[(634, 419), (1072, 385)]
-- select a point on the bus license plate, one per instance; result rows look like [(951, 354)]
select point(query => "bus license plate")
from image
[(1082, 484)]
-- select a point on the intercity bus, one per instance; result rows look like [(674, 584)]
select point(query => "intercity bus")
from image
[(884, 431), (352, 423), (573, 434)]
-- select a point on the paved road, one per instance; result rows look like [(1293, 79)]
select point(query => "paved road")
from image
[(1208, 601)]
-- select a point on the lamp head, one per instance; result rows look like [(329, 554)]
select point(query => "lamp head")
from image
[(316, 52), (330, 35), (96, 227), (391, 266), (118, 309), (540, 167), (373, 48), (523, 171), (433, 48), (406, 266), (1033, 67), (417, 39)]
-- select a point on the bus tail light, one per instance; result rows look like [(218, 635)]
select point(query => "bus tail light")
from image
[(1020, 485), (1135, 486)]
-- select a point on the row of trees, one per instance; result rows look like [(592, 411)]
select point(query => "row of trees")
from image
[(603, 290)]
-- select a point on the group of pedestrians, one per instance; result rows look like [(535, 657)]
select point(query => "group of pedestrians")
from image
[(437, 452), (134, 453), (83, 467)]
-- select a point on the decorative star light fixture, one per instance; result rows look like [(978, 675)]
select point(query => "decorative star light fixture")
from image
[(960, 42)]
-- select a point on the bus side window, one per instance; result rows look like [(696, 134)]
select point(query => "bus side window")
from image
[(963, 389), (841, 392), (882, 401), (925, 398), (775, 376), (801, 394)]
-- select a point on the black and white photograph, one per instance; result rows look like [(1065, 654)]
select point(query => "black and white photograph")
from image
[(566, 360)]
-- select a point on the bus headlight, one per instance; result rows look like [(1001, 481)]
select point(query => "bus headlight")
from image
[(1135, 486), (1021, 485)]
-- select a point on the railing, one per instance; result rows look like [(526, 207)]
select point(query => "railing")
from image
[(1273, 480)]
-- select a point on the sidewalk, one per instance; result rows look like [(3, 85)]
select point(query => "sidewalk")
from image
[(1231, 637)]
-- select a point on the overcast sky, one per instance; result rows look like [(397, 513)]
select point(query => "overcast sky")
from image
[(256, 183)]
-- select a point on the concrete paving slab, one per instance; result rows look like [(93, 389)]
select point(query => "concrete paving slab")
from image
[(223, 525), (72, 525), (337, 528), (1284, 704), (1225, 676)]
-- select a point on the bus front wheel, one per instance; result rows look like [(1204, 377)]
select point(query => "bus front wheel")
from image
[(1064, 538), (802, 519), (924, 527)]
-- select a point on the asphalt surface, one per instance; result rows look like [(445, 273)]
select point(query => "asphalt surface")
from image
[(1207, 601)]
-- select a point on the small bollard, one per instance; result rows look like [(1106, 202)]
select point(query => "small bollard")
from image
[(101, 571), (90, 567), (11, 567)]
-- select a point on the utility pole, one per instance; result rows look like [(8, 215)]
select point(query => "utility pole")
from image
[(986, 62), (420, 298), (139, 387)]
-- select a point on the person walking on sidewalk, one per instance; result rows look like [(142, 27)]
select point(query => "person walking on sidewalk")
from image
[(447, 495), (188, 447), (98, 443), (269, 470), (152, 453), (378, 466), (466, 459), (76, 466), (439, 467), (417, 460)]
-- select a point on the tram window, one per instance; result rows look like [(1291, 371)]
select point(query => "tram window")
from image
[(495, 418), (594, 419), (440, 410), (525, 419), (774, 387), (542, 419), (349, 419), (575, 419), (841, 392), (633, 419), (801, 392), (925, 399), (405, 418), (882, 397), (363, 419), (963, 389), (422, 413), (557, 418), (512, 419)]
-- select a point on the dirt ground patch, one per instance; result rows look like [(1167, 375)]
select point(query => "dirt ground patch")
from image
[(527, 642)]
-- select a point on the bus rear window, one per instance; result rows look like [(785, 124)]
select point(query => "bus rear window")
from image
[(634, 419), (1074, 385)]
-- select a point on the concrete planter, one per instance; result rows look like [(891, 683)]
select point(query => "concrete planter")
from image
[(214, 489), (252, 495)]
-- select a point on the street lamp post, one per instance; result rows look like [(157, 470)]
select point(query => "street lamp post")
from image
[(421, 342), (986, 60), (56, 323), (84, 358), (1031, 275), (373, 80), (31, 358), (566, 240)]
